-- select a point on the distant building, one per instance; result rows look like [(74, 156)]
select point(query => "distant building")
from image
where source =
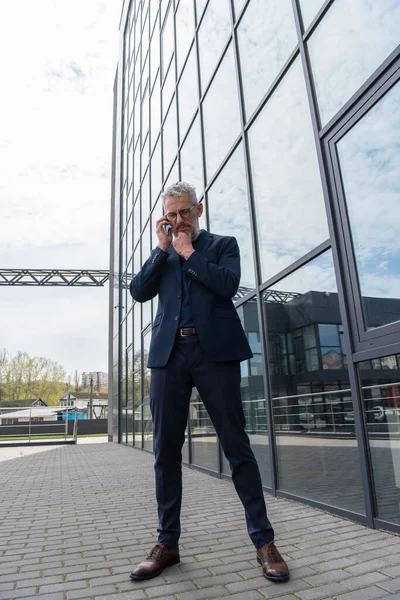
[(100, 379), (81, 402)]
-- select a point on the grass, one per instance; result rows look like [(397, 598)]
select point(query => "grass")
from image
[(47, 437)]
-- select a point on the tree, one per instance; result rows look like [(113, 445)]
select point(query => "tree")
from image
[(77, 381), (23, 377)]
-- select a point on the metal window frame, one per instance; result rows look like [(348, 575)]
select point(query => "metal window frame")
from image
[(385, 335), (328, 174)]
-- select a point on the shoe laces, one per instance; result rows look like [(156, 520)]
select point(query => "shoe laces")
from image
[(156, 552), (271, 552)]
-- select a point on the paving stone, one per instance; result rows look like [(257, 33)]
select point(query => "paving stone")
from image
[(321, 591), (369, 593), (78, 536)]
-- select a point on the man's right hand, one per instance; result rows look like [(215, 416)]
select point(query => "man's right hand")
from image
[(164, 240)]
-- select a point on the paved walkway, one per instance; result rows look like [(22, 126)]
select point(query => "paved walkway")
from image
[(75, 519)]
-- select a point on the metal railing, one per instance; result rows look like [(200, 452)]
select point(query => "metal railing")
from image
[(33, 424)]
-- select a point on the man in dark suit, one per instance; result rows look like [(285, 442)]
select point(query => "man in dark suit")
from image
[(197, 341)]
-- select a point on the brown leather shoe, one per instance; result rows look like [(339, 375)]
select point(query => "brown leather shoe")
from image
[(159, 558), (274, 567)]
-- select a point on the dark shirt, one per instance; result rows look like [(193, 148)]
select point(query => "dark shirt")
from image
[(186, 319)]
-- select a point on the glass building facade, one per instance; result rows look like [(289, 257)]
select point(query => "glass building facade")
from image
[(285, 115)]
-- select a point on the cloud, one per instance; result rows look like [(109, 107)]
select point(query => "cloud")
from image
[(348, 45), (55, 170)]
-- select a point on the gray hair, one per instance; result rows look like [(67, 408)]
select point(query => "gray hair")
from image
[(176, 190)]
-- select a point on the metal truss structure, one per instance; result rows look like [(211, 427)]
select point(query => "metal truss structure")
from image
[(53, 277), (279, 297)]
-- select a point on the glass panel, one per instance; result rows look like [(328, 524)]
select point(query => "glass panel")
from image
[(238, 7), (341, 48), (287, 185), (200, 4), (221, 114), (137, 373), (172, 176), (263, 51), (129, 403), (369, 163), (154, 55), (156, 177), (188, 93), (153, 15), (184, 26), (145, 197), (136, 171), (168, 90), (155, 108), (229, 214), (145, 113), (145, 36), (136, 221), (253, 394), (213, 34), (317, 447), (167, 40), (309, 9), (192, 158), (381, 395), (204, 438), (147, 420), (170, 137)]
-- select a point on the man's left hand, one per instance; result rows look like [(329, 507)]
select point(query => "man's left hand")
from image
[(183, 244)]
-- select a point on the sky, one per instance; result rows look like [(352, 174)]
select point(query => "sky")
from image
[(55, 172)]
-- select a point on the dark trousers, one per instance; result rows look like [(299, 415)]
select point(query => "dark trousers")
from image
[(219, 387)]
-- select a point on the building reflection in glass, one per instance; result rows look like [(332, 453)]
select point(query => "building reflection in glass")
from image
[(312, 404), (369, 164), (380, 380)]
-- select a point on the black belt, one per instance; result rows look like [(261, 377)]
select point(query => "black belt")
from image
[(186, 331)]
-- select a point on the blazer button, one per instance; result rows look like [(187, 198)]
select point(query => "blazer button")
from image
[(176, 318)]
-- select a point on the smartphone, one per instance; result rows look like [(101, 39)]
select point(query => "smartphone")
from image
[(167, 228)]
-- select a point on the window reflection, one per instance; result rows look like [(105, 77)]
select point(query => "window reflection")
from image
[(154, 55), (287, 185), (214, 32), (155, 108), (352, 40), (369, 162), (192, 158), (147, 420), (253, 394), (137, 373), (156, 177), (170, 137), (168, 89), (309, 9), (203, 436), (380, 380), (188, 93), (266, 36), (129, 395), (229, 213), (184, 27), (221, 114), (238, 4), (167, 40), (312, 403)]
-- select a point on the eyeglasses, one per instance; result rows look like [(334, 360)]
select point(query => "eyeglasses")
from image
[(171, 216)]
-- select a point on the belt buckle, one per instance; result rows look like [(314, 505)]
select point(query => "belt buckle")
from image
[(183, 334)]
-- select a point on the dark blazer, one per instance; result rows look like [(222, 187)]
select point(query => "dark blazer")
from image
[(214, 272)]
